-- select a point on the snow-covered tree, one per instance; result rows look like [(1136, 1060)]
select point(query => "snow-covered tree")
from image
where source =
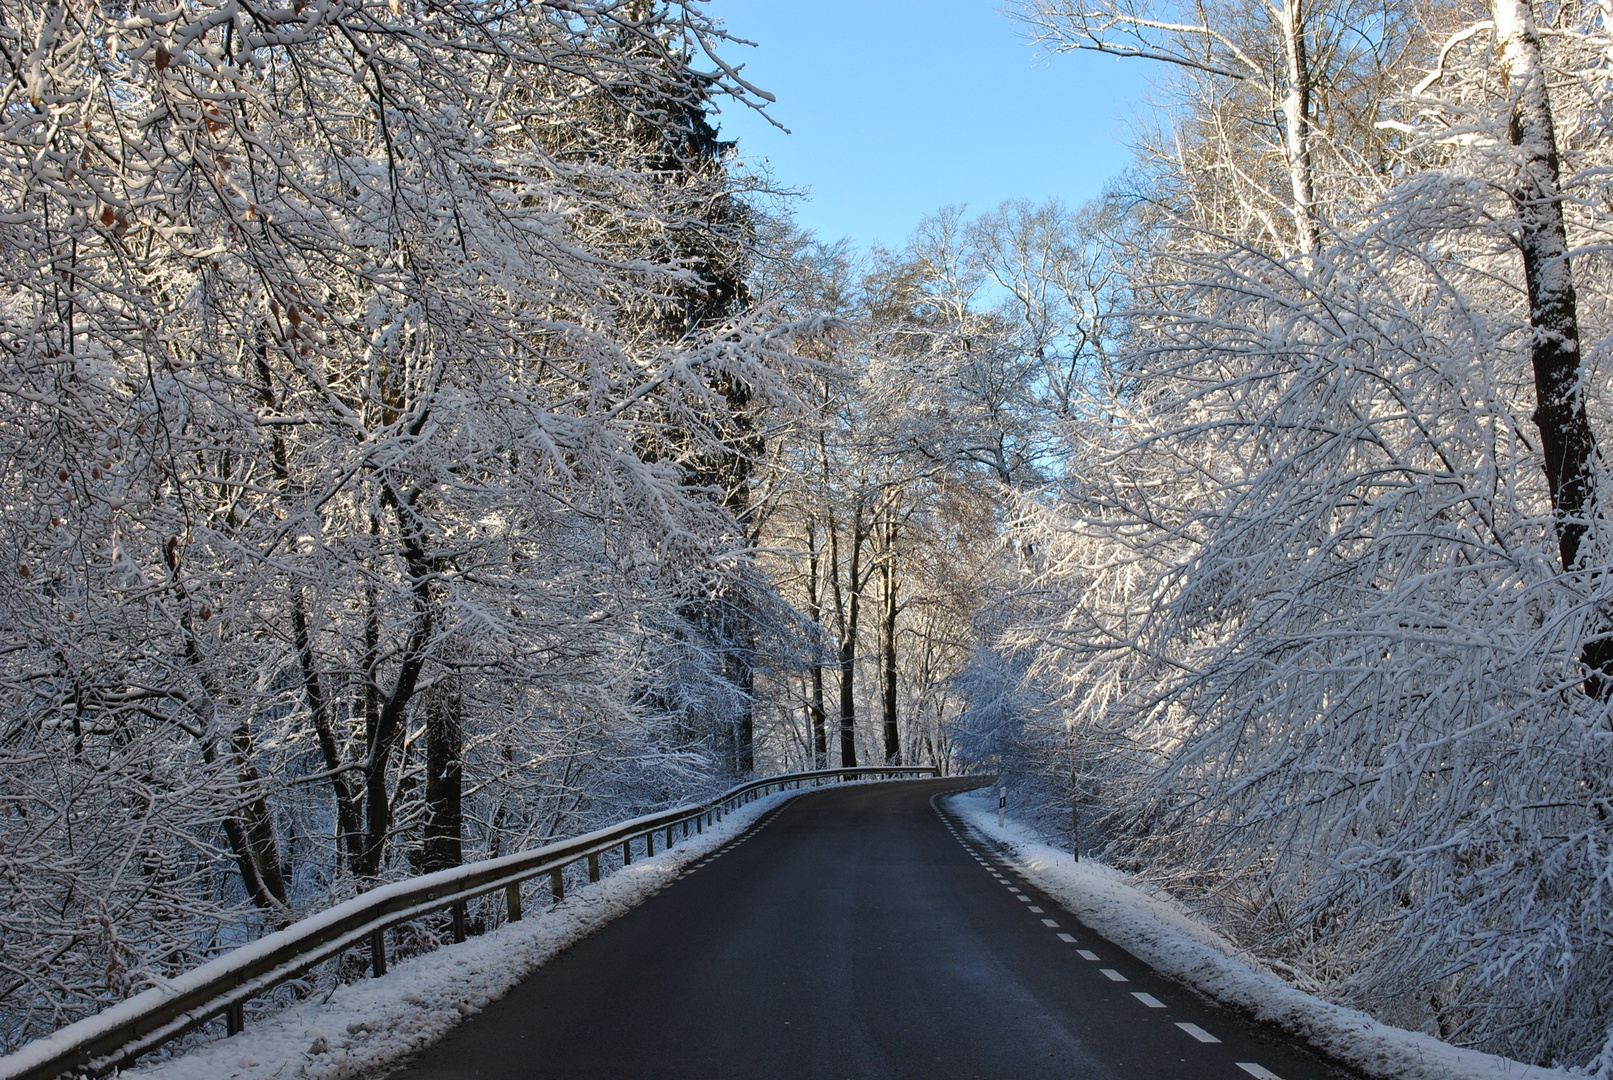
[(364, 368)]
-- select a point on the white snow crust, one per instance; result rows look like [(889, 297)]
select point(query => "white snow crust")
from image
[(1160, 930), (368, 1028)]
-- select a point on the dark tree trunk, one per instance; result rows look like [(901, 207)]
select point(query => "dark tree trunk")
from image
[(848, 659), (385, 737), (250, 830), (742, 673), (348, 810), (259, 825), (820, 717), (385, 713), (889, 610), (444, 826), (348, 807), (1567, 442), (820, 733), (848, 700)]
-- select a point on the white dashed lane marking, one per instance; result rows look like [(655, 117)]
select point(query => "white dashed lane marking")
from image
[(1252, 1068)]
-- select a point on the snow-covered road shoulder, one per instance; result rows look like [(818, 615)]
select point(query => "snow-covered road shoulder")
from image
[(1162, 933), (368, 1028)]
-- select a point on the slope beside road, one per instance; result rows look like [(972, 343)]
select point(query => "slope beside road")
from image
[(858, 932)]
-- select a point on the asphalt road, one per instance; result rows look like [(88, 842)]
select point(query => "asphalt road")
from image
[(855, 933)]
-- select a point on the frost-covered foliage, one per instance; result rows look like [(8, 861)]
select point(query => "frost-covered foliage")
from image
[(1320, 664), (1324, 638), (886, 532), (373, 376)]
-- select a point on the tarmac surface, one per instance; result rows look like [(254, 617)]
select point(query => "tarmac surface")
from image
[(856, 932)]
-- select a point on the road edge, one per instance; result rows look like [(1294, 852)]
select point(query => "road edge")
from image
[(371, 1028), (1163, 935)]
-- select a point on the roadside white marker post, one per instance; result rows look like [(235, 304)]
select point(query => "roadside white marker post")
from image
[(1002, 808)]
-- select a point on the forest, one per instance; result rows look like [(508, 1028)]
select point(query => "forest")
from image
[(422, 437)]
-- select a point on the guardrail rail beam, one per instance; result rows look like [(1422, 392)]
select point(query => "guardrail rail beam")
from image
[(118, 1035)]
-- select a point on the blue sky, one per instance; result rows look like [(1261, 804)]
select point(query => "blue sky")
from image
[(899, 107)]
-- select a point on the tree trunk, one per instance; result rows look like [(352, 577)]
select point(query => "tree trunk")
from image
[(848, 700), (852, 610), (1297, 128), (889, 610), (820, 734), (348, 809), (259, 825), (820, 737), (742, 673), (444, 826), (250, 830), (348, 821), (385, 713), (1567, 442)]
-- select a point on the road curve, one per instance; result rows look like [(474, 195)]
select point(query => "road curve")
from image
[(856, 932)]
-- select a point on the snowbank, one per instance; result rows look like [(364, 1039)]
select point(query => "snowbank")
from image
[(1161, 932), (367, 1028)]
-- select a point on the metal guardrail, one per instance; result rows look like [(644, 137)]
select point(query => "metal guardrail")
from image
[(220, 987)]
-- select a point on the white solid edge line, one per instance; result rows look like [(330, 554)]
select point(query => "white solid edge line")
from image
[(1148, 999), (1197, 1032), (1113, 976), (1258, 1071)]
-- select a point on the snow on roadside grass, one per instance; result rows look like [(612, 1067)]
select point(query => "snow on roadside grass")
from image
[(1162, 933), (367, 1028)]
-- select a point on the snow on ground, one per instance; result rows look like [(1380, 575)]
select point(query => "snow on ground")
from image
[(1160, 931), (367, 1028)]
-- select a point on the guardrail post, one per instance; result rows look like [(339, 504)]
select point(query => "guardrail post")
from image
[(669, 836), (378, 952), (699, 824), (649, 843), (627, 852), (593, 867), (235, 1018), (512, 900), (686, 828), (459, 921), (557, 885)]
